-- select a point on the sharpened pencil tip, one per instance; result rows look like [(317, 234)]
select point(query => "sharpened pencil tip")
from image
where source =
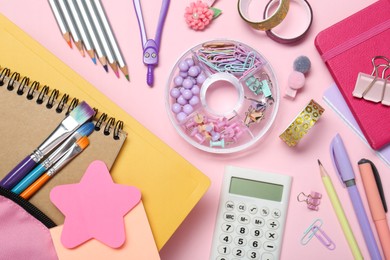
[(105, 68), (127, 77), (94, 60), (116, 74), (319, 162), (70, 44)]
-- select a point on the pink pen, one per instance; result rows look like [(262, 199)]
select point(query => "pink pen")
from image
[(376, 202)]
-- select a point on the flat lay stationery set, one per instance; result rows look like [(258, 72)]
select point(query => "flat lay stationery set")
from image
[(226, 143)]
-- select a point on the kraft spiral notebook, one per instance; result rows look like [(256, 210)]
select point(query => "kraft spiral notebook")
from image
[(21, 54), (348, 48), (335, 100)]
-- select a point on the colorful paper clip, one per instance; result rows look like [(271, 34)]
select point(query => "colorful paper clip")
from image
[(315, 230), (312, 200)]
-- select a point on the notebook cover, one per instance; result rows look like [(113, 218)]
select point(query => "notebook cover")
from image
[(335, 100), (170, 185), (373, 119)]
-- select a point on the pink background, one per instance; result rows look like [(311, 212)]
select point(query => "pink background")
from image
[(193, 239)]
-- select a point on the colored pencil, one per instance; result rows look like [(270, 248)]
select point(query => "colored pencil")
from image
[(85, 37), (72, 25), (111, 38), (103, 38), (92, 32), (58, 15)]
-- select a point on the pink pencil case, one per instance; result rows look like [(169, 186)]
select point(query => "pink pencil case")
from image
[(24, 230)]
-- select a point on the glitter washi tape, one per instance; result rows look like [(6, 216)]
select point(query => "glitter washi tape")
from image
[(302, 123)]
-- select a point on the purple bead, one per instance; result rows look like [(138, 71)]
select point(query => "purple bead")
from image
[(195, 90), (194, 101), (176, 108), (201, 78), (215, 136), (181, 100), (183, 74), (175, 92), (188, 109), (190, 62), (187, 94), (193, 71), (181, 116), (187, 83), (183, 66), (178, 81)]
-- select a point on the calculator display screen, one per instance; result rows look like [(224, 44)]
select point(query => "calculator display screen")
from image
[(257, 189)]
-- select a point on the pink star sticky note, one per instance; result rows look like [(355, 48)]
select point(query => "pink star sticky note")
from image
[(94, 208)]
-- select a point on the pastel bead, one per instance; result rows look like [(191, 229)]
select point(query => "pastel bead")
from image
[(175, 93), (181, 116), (200, 79), (178, 80), (183, 74), (188, 83), (194, 101), (193, 71), (190, 62), (188, 109), (176, 108), (181, 100), (183, 66), (187, 94), (195, 90)]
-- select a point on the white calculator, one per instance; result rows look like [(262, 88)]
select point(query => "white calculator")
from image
[(251, 215)]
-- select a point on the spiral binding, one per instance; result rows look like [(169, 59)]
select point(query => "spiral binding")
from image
[(103, 121)]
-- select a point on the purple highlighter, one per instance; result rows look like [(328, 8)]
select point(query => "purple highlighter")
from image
[(74, 120)]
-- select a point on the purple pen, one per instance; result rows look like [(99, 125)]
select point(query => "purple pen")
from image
[(345, 171), (151, 47)]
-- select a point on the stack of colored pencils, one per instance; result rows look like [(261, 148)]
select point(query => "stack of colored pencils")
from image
[(85, 22)]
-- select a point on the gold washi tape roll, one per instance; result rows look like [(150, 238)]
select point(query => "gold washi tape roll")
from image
[(302, 123), (272, 21)]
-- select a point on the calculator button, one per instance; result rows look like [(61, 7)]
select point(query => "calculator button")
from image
[(238, 252), (257, 221), (254, 243), (256, 232), (225, 239), (264, 211), (272, 224), (240, 241), (253, 255), (229, 205), (276, 213), (241, 207), (242, 230), (224, 250), (269, 246), (229, 216), (271, 235), (227, 227), (244, 219), (267, 256), (252, 209), (222, 258)]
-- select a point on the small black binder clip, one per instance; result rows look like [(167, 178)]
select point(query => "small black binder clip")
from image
[(375, 87)]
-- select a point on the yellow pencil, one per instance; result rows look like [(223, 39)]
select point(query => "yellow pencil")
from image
[(334, 199)]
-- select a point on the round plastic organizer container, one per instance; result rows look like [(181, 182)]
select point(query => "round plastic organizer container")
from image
[(222, 96)]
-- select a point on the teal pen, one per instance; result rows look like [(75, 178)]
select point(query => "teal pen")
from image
[(32, 176)]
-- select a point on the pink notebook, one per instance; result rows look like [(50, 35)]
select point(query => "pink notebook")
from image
[(347, 48)]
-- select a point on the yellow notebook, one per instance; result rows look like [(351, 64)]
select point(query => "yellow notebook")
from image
[(170, 185)]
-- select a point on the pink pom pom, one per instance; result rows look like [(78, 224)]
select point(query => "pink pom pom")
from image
[(296, 80)]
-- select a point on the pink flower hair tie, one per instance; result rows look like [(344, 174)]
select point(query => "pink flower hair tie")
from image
[(199, 14)]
